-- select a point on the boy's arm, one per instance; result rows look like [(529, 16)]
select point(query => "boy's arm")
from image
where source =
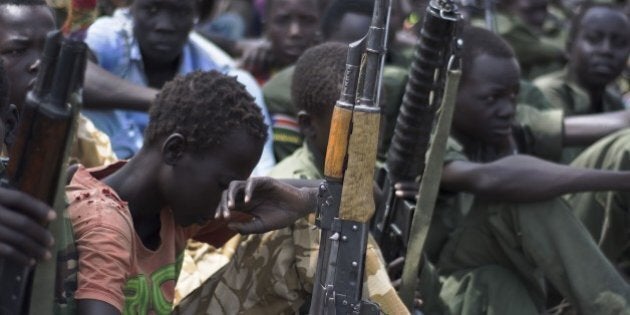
[(103, 90), (522, 178), (587, 129), (272, 203), (95, 307), (23, 238)]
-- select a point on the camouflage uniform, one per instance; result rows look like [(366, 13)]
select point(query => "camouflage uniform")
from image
[(531, 242), (273, 273), (564, 93)]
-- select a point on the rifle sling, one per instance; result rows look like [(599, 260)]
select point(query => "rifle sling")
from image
[(428, 191)]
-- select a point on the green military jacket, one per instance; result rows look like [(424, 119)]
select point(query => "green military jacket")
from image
[(566, 95), (286, 133)]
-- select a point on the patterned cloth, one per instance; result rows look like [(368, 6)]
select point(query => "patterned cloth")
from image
[(273, 273)]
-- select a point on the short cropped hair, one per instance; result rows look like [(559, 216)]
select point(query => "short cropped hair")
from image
[(318, 77), (479, 41), (338, 9), (576, 21), (204, 107)]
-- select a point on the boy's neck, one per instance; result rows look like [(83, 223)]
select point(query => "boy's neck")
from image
[(595, 93), (136, 183), (483, 152)]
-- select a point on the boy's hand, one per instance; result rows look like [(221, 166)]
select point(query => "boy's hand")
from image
[(272, 203), (23, 237)]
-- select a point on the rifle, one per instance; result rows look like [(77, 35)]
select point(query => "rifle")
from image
[(39, 159), (345, 206)]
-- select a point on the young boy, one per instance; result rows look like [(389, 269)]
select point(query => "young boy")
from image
[(22, 238), (598, 47), (132, 219), (23, 29), (280, 265), (511, 216), (512, 220)]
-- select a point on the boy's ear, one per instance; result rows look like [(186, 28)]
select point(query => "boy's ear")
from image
[(173, 148), (305, 120), (10, 125)]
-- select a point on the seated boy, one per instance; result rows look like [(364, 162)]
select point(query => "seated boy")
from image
[(511, 216), (598, 47), (132, 219), (280, 265)]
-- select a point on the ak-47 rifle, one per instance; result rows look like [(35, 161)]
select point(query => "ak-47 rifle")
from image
[(38, 160), (346, 201)]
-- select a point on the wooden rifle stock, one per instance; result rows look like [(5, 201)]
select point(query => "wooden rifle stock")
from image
[(39, 155), (346, 196)]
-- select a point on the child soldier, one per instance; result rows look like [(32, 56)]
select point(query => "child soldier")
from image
[(280, 265), (22, 238), (23, 29), (131, 220), (512, 217), (598, 47)]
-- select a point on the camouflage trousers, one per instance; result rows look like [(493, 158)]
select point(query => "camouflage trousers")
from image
[(273, 273)]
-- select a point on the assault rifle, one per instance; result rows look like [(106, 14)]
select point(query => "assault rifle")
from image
[(346, 201), (38, 160)]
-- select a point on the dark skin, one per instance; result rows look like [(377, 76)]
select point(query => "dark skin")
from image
[(599, 51), (532, 12), (493, 177), (22, 237), (161, 28), (291, 27), (172, 174)]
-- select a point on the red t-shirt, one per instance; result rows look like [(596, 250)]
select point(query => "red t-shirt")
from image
[(114, 265)]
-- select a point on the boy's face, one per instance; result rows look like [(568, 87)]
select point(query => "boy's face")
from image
[(533, 12), (162, 27), (601, 47), (292, 28), (23, 32), (486, 100), (194, 185)]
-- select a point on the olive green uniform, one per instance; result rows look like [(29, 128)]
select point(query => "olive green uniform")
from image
[(286, 135), (564, 93), (530, 242), (537, 53), (605, 214)]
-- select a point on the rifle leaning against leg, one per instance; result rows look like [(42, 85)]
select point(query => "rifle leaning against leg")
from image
[(346, 201), (39, 160)]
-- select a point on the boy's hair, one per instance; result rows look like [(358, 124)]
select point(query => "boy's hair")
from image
[(204, 107), (577, 19), (23, 2), (479, 41), (318, 77), (338, 9)]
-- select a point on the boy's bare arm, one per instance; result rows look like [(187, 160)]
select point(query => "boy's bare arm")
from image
[(522, 178), (586, 129), (103, 90)]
